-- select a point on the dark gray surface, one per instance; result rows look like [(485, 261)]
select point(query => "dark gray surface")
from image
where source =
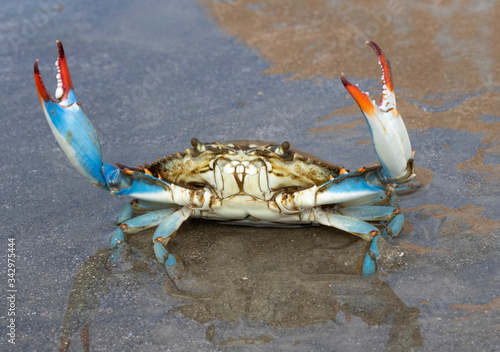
[(291, 299)]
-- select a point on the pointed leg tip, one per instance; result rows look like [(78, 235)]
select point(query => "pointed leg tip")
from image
[(171, 260)]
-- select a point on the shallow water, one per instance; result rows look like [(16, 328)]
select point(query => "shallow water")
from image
[(151, 77)]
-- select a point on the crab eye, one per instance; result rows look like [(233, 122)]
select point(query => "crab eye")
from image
[(119, 180), (282, 148), (197, 145)]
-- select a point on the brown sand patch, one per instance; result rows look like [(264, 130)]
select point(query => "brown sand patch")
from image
[(471, 214)]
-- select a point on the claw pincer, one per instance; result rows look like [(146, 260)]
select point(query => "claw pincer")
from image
[(70, 125), (389, 134)]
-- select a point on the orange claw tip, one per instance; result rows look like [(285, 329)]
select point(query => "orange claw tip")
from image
[(344, 80), (361, 170), (43, 94), (147, 172), (361, 98), (374, 233), (342, 171)]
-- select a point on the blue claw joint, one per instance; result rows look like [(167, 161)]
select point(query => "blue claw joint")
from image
[(70, 125)]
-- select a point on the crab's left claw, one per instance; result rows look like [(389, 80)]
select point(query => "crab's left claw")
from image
[(70, 125), (389, 134)]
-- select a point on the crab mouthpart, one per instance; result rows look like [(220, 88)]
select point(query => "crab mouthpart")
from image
[(64, 92)]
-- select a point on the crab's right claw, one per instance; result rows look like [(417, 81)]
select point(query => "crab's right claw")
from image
[(389, 134), (70, 125)]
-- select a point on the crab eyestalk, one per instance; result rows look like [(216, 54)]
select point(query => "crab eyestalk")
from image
[(389, 135), (70, 125)]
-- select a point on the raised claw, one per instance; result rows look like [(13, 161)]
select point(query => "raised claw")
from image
[(70, 125), (389, 134)]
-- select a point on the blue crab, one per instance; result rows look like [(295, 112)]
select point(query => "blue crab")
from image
[(243, 182)]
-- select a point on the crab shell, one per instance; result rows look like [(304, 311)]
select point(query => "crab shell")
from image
[(254, 168)]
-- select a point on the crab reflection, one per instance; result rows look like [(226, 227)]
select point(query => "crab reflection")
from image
[(284, 278)]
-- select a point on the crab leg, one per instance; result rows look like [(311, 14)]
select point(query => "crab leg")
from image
[(125, 213), (146, 221), (140, 206), (389, 134), (70, 125), (370, 212), (168, 221), (343, 189), (151, 189), (371, 257), (394, 227), (346, 223), (346, 188), (165, 231), (132, 226)]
